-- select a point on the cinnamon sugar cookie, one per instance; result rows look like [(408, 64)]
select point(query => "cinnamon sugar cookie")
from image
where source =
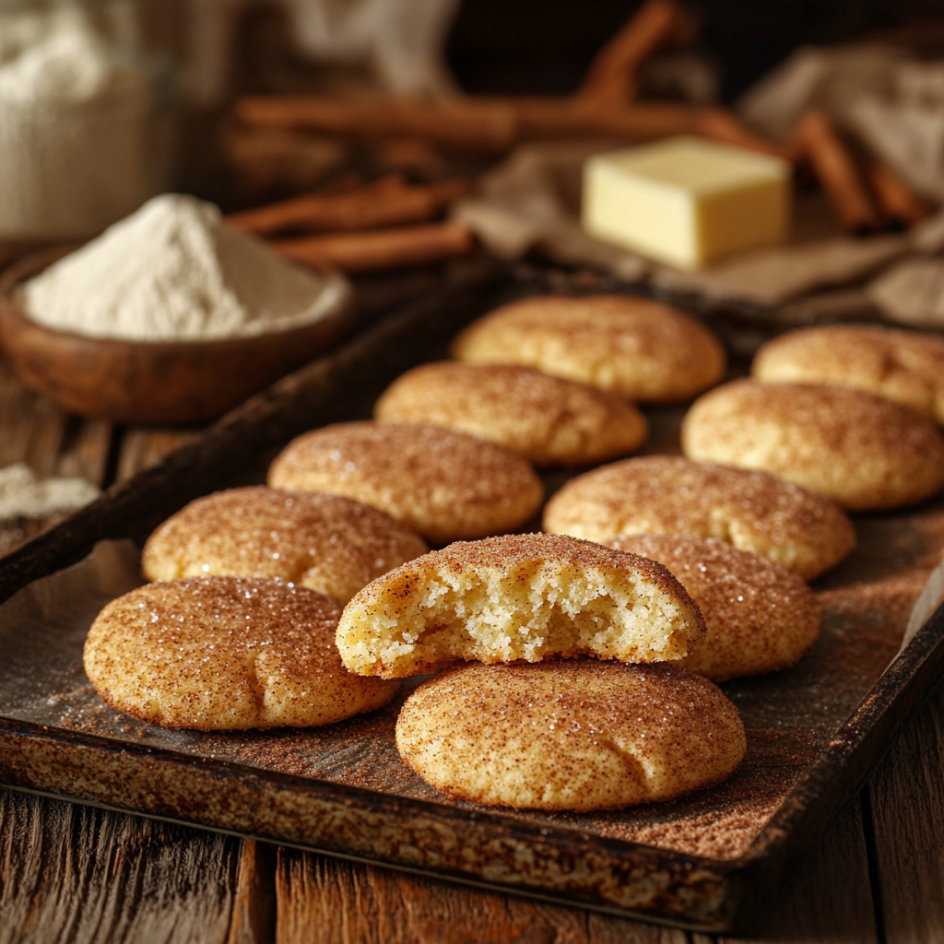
[(636, 347), (903, 366), (447, 485), (759, 617), (753, 511), (579, 735), (862, 451), (521, 596), (327, 543), (548, 420), (225, 653)]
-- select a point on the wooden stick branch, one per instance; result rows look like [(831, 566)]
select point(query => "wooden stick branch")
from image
[(837, 173), (381, 249), (613, 76), (717, 124), (384, 203)]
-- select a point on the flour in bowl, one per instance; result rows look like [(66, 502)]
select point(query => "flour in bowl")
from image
[(175, 271)]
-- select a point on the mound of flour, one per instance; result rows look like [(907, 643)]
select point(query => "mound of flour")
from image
[(175, 271)]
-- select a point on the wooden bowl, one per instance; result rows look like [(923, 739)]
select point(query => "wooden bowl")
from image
[(153, 383)]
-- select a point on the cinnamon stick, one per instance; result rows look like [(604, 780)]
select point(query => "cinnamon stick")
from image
[(381, 249), (466, 124), (898, 204), (556, 118), (384, 203), (717, 124), (410, 154), (345, 183), (261, 158), (613, 76), (837, 173), (476, 124)]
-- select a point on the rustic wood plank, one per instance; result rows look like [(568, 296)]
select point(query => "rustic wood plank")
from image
[(253, 920), (907, 805), (329, 901), (144, 448), (77, 874), (827, 899), (47, 427), (17, 406), (36, 431), (84, 449)]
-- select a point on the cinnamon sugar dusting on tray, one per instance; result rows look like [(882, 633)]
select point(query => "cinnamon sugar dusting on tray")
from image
[(790, 716)]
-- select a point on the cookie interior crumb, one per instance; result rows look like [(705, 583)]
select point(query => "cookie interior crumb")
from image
[(457, 604)]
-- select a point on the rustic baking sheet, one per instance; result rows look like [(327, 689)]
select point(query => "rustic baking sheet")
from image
[(696, 861)]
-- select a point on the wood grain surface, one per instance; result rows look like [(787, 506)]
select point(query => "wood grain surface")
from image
[(75, 874), (907, 801)]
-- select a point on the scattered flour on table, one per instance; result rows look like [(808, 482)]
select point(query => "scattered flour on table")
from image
[(176, 271), (24, 495)]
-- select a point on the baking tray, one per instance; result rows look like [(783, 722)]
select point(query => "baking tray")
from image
[(702, 862)]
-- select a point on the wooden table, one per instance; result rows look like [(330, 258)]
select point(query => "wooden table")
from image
[(71, 873)]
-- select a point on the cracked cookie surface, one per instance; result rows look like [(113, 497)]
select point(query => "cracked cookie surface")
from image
[(753, 511), (577, 735), (638, 348), (328, 543), (446, 485), (548, 420), (759, 617), (904, 366), (862, 451), (225, 653)]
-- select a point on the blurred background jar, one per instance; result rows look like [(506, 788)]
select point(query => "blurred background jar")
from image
[(86, 120)]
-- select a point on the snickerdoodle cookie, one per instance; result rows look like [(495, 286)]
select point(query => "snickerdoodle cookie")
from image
[(577, 735), (904, 366), (759, 617), (327, 543), (548, 420), (753, 511), (862, 451), (636, 347), (521, 596), (222, 653), (445, 484)]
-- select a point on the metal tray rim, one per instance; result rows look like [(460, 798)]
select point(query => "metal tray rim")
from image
[(858, 745)]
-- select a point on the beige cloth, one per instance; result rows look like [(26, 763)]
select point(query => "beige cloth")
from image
[(912, 292), (532, 200), (893, 104), (774, 276)]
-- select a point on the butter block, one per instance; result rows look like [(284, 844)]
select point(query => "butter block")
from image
[(686, 201)]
